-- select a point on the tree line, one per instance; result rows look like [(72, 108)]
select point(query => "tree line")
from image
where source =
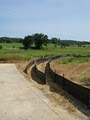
[(10, 40), (38, 40)]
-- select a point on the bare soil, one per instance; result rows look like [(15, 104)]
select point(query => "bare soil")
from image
[(73, 72), (42, 66)]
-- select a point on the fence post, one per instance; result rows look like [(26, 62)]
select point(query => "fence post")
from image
[(89, 101), (63, 82), (49, 65), (35, 65)]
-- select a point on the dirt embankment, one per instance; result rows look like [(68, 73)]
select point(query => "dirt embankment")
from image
[(42, 66), (79, 73)]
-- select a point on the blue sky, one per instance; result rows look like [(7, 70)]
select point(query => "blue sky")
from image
[(65, 19)]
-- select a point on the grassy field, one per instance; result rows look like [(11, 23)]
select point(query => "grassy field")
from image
[(74, 60), (13, 51)]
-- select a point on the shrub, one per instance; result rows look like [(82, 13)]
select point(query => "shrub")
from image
[(1, 47)]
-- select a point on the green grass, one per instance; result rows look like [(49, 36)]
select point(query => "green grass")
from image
[(13, 51), (74, 60), (86, 80)]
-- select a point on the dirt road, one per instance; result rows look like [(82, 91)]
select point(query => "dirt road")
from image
[(19, 100)]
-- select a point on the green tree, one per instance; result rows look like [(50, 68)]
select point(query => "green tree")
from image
[(40, 40), (28, 41), (55, 41)]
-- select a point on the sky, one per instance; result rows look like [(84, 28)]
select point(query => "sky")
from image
[(65, 19)]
